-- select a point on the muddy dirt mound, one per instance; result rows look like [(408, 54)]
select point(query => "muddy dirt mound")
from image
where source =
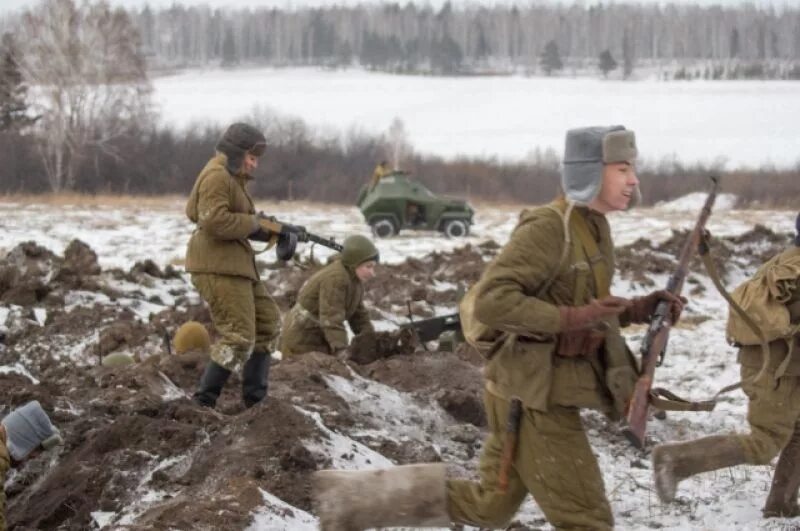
[(455, 384), (132, 432), (745, 252)]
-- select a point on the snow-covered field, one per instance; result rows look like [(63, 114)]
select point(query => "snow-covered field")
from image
[(123, 235), (698, 363), (744, 123)]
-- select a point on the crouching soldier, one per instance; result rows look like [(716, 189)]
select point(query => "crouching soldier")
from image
[(333, 295), (773, 411), (23, 432), (557, 348), (223, 267)]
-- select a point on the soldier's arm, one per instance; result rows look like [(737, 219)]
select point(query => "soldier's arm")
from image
[(332, 297), (214, 210), (507, 301), (359, 321)]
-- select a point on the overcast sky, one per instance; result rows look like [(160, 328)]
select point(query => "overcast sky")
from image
[(12, 5)]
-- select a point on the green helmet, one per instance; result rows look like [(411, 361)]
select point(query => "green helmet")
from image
[(358, 249), (191, 336)]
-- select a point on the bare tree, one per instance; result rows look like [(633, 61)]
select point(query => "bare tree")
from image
[(397, 142), (85, 67)]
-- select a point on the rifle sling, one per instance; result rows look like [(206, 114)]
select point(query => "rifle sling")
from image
[(663, 399)]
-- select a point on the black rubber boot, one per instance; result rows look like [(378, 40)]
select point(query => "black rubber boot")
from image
[(211, 383), (254, 378)]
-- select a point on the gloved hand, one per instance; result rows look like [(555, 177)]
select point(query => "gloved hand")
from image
[(260, 235), (643, 308), (588, 315)]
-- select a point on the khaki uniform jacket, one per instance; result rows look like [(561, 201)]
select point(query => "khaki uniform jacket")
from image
[(750, 355), (225, 216), (333, 295), (5, 463), (525, 365)]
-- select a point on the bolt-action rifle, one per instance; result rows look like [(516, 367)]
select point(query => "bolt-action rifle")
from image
[(285, 236), (655, 341)]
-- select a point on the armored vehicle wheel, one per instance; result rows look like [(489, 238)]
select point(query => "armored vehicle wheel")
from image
[(383, 228), (455, 228)]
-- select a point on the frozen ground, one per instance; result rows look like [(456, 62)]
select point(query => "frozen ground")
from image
[(507, 117), (159, 231), (698, 363)]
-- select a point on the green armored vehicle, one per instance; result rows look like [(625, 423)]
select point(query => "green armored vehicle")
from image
[(397, 202)]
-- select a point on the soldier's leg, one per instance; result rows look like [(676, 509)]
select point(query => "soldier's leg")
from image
[(553, 461), (255, 374), (561, 471), (771, 419), (772, 414), (782, 498), (231, 304), (481, 503), (268, 318)]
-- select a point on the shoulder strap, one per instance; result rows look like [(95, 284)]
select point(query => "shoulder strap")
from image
[(578, 237), (596, 261)]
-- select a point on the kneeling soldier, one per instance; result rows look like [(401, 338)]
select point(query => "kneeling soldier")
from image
[(333, 295)]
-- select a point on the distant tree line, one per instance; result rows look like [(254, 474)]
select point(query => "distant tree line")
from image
[(91, 129), (535, 38)]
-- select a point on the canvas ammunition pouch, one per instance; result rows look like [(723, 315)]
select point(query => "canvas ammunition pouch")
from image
[(580, 343)]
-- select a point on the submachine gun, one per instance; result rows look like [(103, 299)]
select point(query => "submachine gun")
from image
[(655, 341), (430, 329), (284, 237)]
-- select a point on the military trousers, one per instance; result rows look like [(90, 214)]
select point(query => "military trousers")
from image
[(244, 315), (302, 332), (772, 412), (553, 462)]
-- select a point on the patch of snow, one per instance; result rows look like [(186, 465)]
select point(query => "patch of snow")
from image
[(694, 202), (18, 368), (345, 453), (41, 315), (102, 518), (277, 515)]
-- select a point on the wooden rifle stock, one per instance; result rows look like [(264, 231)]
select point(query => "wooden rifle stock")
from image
[(655, 341)]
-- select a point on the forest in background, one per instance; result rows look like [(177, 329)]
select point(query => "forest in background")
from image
[(91, 128), (681, 42)]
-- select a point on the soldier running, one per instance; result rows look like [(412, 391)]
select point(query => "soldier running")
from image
[(558, 350)]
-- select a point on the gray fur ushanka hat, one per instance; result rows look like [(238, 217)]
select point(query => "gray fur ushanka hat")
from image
[(585, 152), (26, 428)]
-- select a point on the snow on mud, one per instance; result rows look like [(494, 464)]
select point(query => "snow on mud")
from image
[(78, 282)]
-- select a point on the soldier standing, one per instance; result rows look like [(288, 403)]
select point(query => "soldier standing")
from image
[(381, 171), (333, 295), (558, 349), (223, 267), (773, 410)]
